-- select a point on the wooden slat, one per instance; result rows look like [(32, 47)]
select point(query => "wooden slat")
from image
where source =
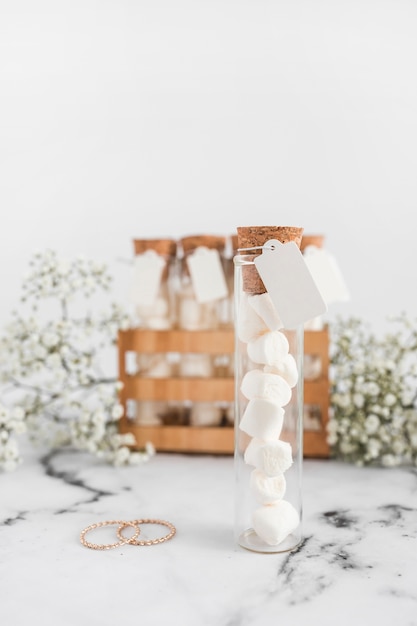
[(316, 342), (153, 341), (208, 440), (185, 438), (316, 391), (193, 389)]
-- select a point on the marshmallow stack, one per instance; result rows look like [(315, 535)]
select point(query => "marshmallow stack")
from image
[(268, 389)]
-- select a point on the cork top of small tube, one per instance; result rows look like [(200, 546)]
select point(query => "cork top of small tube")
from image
[(192, 242), (312, 240), (164, 247), (257, 236), (251, 236)]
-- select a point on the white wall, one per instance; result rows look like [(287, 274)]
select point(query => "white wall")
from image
[(141, 118)]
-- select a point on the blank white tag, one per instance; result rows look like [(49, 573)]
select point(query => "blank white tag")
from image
[(326, 274), (207, 275), (289, 283), (147, 274)]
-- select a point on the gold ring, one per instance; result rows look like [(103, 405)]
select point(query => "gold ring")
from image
[(149, 542), (108, 546)]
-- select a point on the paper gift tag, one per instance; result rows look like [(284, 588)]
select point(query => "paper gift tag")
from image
[(326, 274), (289, 283), (147, 274), (207, 275)]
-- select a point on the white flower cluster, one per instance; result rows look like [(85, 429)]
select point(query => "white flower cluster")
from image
[(50, 276), (12, 422), (374, 393), (50, 368)]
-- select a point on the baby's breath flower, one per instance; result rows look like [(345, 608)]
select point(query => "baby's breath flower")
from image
[(373, 394), (53, 368), (358, 400), (373, 389), (389, 460), (373, 448), (50, 339), (390, 399), (372, 424), (117, 411)]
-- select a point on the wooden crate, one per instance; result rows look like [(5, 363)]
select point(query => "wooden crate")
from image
[(213, 440), (316, 392)]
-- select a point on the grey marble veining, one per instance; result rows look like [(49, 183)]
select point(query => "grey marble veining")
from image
[(357, 563)]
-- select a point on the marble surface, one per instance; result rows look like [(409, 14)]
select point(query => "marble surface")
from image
[(357, 563)]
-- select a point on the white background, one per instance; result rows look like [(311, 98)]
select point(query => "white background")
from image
[(153, 118)]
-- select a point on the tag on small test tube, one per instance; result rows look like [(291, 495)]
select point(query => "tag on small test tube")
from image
[(289, 283), (327, 275), (207, 275), (147, 275)]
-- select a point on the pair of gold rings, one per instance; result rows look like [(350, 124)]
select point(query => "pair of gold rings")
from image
[(133, 539)]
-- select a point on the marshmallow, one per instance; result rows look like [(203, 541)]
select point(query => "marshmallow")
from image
[(262, 419), (262, 305), (158, 323), (147, 413), (269, 348), (273, 523), (205, 414), (249, 324), (155, 315), (154, 366), (316, 323), (194, 315), (195, 365), (312, 366), (287, 369), (267, 490), (272, 457), (258, 384)]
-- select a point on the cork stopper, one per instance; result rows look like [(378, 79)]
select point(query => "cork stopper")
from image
[(164, 247), (312, 240), (192, 242), (254, 236)]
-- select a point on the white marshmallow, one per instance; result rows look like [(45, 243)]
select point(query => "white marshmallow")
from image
[(194, 315), (273, 523), (259, 384), (262, 419), (287, 368), (263, 306), (195, 365), (266, 489), (153, 365), (160, 369), (147, 413), (205, 414), (155, 315), (316, 323), (312, 366), (272, 457), (269, 348), (189, 314), (249, 324), (159, 323)]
